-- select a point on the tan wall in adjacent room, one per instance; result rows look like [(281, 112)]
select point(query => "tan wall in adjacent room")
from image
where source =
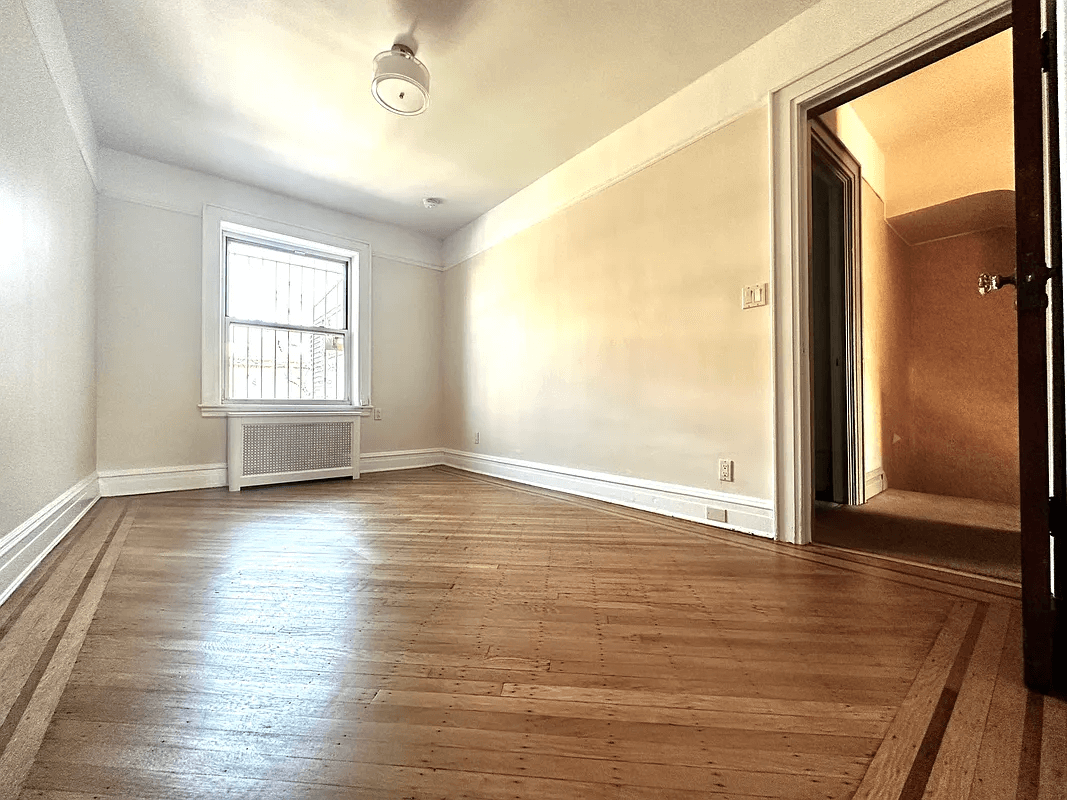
[(963, 408), (939, 361), (885, 337), (610, 337), (940, 365)]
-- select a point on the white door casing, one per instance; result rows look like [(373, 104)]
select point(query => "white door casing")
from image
[(790, 276)]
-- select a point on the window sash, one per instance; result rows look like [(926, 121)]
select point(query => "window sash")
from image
[(257, 323), (313, 371), (345, 272), (341, 360)]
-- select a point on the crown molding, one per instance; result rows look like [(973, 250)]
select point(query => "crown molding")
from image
[(47, 27)]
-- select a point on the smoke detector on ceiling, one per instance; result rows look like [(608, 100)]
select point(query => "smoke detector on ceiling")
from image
[(401, 82)]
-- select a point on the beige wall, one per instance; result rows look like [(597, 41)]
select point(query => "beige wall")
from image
[(406, 369), (610, 336), (150, 345), (47, 225), (148, 383), (945, 131)]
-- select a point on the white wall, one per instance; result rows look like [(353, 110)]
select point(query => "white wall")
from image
[(47, 328), (149, 350)]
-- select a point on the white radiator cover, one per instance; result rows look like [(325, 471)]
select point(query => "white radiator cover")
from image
[(278, 448)]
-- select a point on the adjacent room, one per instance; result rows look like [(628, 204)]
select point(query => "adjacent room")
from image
[(414, 399), (939, 433)]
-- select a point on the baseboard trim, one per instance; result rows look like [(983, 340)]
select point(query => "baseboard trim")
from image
[(399, 459), (751, 515), (734, 512), (873, 483), (121, 482), (24, 548)]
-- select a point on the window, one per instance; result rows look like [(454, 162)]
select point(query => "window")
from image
[(286, 319), (286, 322)]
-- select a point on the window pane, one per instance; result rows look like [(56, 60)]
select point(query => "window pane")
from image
[(270, 364), (267, 285)]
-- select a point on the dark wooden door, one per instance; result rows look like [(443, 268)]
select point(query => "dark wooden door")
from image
[(829, 395), (1039, 283)]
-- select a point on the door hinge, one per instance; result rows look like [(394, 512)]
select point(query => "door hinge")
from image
[(1057, 515), (1046, 51)]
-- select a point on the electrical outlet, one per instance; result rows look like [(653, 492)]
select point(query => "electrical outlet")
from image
[(726, 469), (477, 438), (377, 413)]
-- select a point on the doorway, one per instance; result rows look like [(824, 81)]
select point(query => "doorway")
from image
[(924, 39), (939, 420)]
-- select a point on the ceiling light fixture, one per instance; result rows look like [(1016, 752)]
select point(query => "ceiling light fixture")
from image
[(401, 82), (431, 202)]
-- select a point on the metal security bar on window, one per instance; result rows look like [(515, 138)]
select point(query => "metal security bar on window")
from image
[(286, 324)]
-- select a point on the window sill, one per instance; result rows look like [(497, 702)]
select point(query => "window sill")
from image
[(270, 410)]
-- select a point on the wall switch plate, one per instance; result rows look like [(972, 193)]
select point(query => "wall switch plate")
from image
[(377, 413), (726, 469), (754, 296), (716, 514)]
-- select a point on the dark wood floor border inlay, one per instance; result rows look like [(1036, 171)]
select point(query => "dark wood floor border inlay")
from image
[(18, 708), (55, 557), (919, 775), (990, 585)]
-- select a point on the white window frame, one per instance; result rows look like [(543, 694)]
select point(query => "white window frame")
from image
[(218, 222)]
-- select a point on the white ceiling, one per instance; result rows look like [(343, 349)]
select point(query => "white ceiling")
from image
[(951, 93), (276, 93)]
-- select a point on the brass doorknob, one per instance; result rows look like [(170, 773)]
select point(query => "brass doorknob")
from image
[(990, 283)]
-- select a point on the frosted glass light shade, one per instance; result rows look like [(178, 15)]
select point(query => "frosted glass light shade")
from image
[(401, 82)]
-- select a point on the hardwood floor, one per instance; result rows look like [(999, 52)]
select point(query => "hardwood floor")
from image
[(433, 634)]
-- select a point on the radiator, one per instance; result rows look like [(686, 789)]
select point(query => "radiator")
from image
[(278, 448)]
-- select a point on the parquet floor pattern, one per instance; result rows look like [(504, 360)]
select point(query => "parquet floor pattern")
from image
[(434, 634)]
